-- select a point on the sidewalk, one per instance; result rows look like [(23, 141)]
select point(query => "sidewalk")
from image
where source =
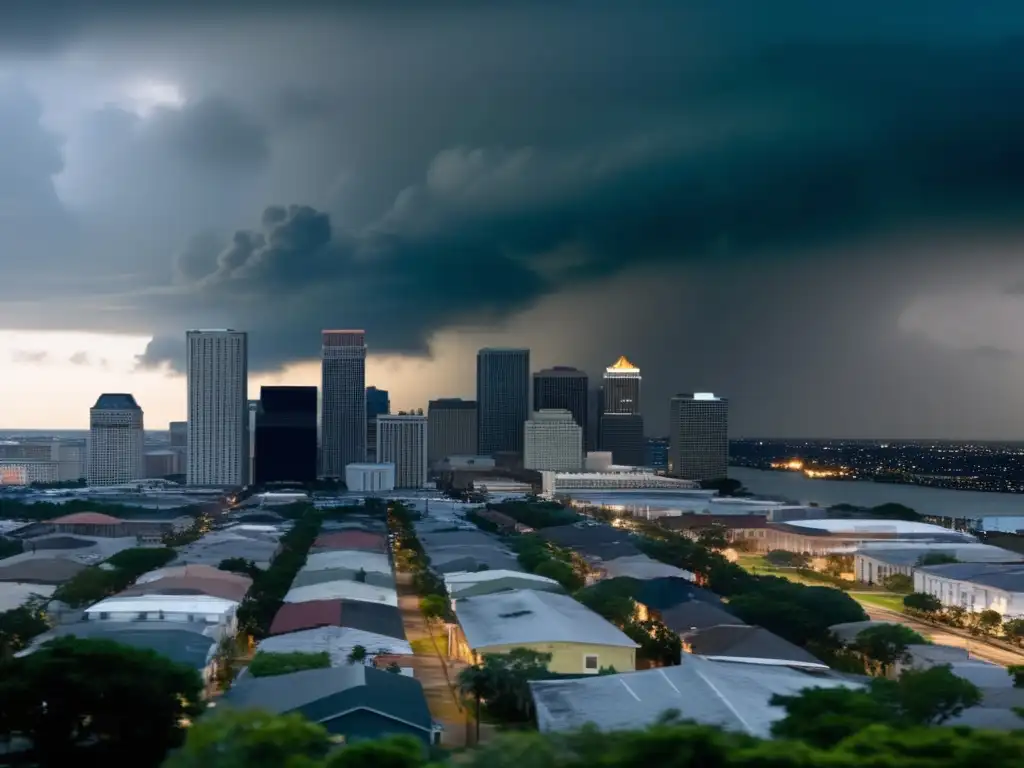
[(430, 669)]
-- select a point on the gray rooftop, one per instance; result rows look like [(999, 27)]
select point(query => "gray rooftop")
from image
[(971, 553), (525, 616), (1007, 577), (745, 642), (696, 615), (118, 401), (731, 695), (309, 578), (180, 642)]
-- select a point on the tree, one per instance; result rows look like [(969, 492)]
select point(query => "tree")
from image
[(785, 559), (89, 586), (269, 663), (1017, 673), (893, 511), (886, 644), (988, 621), (836, 565), (713, 538), (899, 582), (251, 739), (18, 626), (394, 752), (435, 608), (139, 560), (561, 572), (823, 717), (502, 682), (936, 558), (475, 682), (922, 602), (394, 668), (77, 696), (357, 655), (611, 599), (658, 643), (928, 696), (240, 565), (1014, 630)]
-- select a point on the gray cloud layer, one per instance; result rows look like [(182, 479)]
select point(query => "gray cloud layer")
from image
[(339, 167)]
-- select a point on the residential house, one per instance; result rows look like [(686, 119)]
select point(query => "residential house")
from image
[(192, 609), (473, 583), (640, 567), (975, 587), (374, 618), (738, 641), (337, 642), (343, 590), (353, 702), (351, 539), (377, 578), (356, 560), (579, 641), (734, 695)]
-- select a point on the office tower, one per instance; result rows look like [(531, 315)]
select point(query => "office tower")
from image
[(252, 407), (179, 444), (503, 399), (343, 388), (451, 428), (553, 441), (117, 441), (699, 436), (595, 407), (377, 403), (657, 453), (622, 426), (286, 435), (402, 441), (562, 388), (218, 372)]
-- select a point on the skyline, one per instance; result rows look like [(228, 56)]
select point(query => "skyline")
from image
[(809, 211)]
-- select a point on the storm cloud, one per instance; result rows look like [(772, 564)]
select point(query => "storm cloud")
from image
[(292, 168)]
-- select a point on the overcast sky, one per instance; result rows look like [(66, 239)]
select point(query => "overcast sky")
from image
[(814, 209)]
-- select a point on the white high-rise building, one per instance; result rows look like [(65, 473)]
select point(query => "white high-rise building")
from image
[(552, 440), (218, 416), (117, 441), (343, 411), (402, 441), (698, 436)]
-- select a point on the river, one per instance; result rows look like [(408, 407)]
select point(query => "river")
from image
[(997, 511)]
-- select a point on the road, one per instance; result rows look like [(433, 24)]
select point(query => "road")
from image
[(943, 636)]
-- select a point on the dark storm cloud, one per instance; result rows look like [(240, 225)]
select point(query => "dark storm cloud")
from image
[(213, 133)]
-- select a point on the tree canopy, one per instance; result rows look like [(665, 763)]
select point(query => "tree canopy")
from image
[(886, 644), (268, 664), (922, 602)]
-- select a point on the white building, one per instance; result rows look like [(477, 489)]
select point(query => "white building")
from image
[(191, 609), (874, 562), (117, 441), (558, 482), (552, 440), (402, 441), (218, 372), (975, 587), (370, 478), (28, 471)]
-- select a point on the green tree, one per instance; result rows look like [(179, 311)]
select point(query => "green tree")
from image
[(824, 717), (886, 644), (785, 559), (836, 565), (19, 626), (714, 538), (611, 599), (394, 752), (435, 608), (252, 739), (561, 572), (922, 602), (139, 560), (78, 696), (658, 643), (936, 558), (240, 565), (928, 696), (1017, 673), (269, 663), (892, 511), (987, 622), (899, 582), (1014, 630), (357, 655), (502, 682), (89, 586)]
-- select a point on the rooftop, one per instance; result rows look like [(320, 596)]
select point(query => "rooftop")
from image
[(643, 567), (526, 616), (1006, 577), (731, 695), (368, 617), (696, 615), (336, 641), (663, 593), (183, 643), (187, 604), (354, 559), (343, 590), (734, 641), (843, 526), (908, 554), (353, 539), (623, 365), (116, 402), (87, 518), (194, 571), (308, 578), (14, 594), (39, 570), (189, 585)]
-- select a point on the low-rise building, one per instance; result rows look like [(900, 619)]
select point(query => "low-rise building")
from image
[(376, 578), (351, 540), (824, 537), (874, 562), (475, 583), (730, 642), (374, 618), (337, 642), (580, 641), (343, 590), (975, 587), (371, 562), (370, 478), (191, 609)]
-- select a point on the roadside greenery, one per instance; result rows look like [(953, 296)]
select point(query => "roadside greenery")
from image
[(97, 582), (536, 513), (542, 558), (268, 664), (613, 599), (435, 604), (885, 645), (501, 684), (899, 583), (19, 626), (240, 566)]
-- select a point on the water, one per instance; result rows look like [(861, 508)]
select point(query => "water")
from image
[(997, 511)]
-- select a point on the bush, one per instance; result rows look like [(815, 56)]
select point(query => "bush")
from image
[(922, 602), (139, 560), (537, 514), (784, 559), (267, 664), (899, 582)]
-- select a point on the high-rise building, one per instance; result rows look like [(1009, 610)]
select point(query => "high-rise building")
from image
[(622, 426), (562, 388), (451, 428), (552, 440), (61, 460), (595, 407), (377, 403), (698, 436), (218, 373), (402, 441), (117, 441), (285, 435), (657, 453), (503, 400), (179, 444), (343, 389)]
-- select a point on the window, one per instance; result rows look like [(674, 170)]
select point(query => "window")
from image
[(104, 615), (590, 663)]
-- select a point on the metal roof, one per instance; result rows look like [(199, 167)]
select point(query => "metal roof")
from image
[(338, 642), (1008, 578), (339, 590), (525, 616), (966, 553), (731, 695), (843, 526), (736, 640), (87, 518), (354, 559), (196, 604)]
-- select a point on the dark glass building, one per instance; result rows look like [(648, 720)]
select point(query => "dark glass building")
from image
[(378, 403), (286, 435), (503, 400), (562, 388)]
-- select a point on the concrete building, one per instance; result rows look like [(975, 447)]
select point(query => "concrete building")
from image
[(824, 537), (63, 460), (116, 441), (503, 399), (343, 389), (370, 478), (698, 436), (622, 425), (876, 561), (402, 441), (218, 373), (28, 471), (179, 443), (564, 388), (975, 587), (451, 428), (552, 441), (161, 463), (378, 402)]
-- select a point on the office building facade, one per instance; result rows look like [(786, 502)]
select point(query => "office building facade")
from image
[(218, 373), (286, 435), (552, 440), (378, 402), (699, 437), (622, 425), (503, 400), (117, 441), (563, 388), (179, 443), (402, 441), (451, 428), (343, 389)]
